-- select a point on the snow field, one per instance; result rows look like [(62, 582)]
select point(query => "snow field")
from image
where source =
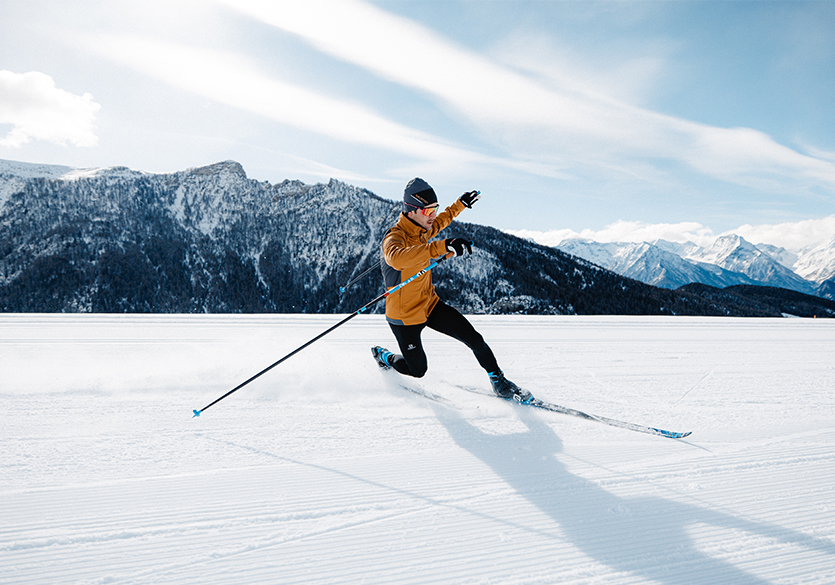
[(326, 470)]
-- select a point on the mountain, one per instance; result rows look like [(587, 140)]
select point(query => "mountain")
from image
[(817, 262), (729, 261), (775, 302), (659, 264), (212, 240), (735, 254), (826, 289), (781, 255), (202, 240)]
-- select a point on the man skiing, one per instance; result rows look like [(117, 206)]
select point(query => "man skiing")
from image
[(407, 249)]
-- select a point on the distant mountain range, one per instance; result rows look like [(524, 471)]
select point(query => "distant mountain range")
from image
[(729, 261), (212, 240)]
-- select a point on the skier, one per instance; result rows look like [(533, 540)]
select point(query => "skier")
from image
[(407, 250)]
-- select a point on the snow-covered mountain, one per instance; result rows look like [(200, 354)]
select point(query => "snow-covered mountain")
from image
[(817, 262), (207, 239), (730, 260), (735, 254), (212, 240), (780, 254), (659, 264)]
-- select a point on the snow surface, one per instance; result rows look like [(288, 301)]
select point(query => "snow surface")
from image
[(325, 470)]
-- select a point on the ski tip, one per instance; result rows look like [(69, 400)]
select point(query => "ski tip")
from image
[(196, 413), (669, 434)]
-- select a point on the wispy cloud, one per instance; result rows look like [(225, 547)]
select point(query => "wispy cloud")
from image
[(627, 231), (791, 235), (233, 79), (38, 110), (551, 125)]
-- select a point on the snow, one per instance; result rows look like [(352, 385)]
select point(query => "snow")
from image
[(325, 470), (730, 260), (817, 262), (33, 170), (24, 170), (13, 176)]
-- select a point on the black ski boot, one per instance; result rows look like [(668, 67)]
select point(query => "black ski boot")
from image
[(383, 357), (506, 389)]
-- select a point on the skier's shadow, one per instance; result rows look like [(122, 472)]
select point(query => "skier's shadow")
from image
[(646, 536)]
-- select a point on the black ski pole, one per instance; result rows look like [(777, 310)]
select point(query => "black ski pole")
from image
[(342, 289), (321, 335)]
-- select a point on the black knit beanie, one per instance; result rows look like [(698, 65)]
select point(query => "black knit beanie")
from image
[(418, 194)]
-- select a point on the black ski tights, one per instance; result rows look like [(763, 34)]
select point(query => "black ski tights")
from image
[(443, 319)]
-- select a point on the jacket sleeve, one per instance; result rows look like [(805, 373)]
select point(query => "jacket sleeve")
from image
[(445, 218), (402, 257)]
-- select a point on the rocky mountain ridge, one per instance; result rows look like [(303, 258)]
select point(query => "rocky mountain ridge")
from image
[(210, 239), (730, 260)]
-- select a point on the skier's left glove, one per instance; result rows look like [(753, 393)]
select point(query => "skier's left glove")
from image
[(458, 245), (469, 198)]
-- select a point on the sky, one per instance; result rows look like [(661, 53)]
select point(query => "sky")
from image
[(617, 121)]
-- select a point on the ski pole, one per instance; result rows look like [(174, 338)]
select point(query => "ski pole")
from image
[(321, 335), (342, 289)]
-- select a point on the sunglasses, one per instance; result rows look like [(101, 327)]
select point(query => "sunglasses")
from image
[(427, 211)]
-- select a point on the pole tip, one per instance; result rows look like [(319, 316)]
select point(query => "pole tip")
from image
[(196, 413)]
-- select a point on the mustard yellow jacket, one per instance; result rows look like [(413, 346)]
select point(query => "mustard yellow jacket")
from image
[(406, 251)]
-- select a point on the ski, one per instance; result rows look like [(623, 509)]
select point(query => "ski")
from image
[(537, 403)]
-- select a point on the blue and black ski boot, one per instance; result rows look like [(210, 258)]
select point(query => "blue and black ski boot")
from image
[(383, 356), (506, 389)]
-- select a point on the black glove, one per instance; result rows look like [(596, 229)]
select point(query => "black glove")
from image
[(469, 198), (458, 245)]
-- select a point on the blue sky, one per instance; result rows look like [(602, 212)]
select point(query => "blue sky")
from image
[(614, 120)]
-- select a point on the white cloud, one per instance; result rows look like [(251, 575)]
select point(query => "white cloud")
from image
[(37, 110), (627, 231), (792, 235), (819, 153), (555, 125), (233, 80), (560, 67)]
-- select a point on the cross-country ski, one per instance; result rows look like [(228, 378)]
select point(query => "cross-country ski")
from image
[(537, 403)]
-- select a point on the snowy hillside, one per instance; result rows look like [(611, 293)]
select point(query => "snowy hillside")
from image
[(659, 264), (729, 261), (205, 239), (817, 263), (326, 470), (735, 254), (212, 240)]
